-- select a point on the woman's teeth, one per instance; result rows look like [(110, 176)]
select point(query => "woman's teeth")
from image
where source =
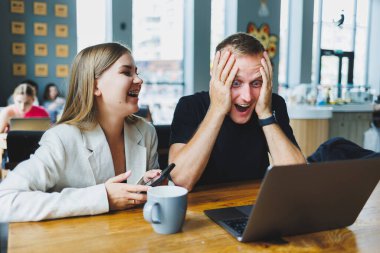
[(133, 93)]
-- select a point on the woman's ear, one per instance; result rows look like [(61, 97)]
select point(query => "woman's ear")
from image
[(97, 92)]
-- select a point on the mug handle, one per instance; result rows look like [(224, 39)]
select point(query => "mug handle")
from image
[(151, 212)]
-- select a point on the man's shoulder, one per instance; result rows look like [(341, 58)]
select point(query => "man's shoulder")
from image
[(197, 97), (277, 100), (195, 104)]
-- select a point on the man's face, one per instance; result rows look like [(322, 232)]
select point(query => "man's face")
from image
[(245, 88)]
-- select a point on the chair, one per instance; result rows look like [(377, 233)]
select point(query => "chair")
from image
[(20, 145), (163, 135)]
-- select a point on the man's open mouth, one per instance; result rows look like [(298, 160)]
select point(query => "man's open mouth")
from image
[(242, 107)]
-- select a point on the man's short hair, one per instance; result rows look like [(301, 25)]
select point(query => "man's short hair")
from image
[(241, 44)]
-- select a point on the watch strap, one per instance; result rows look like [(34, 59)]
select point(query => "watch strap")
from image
[(267, 121)]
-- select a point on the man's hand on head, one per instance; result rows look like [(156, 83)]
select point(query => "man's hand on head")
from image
[(222, 75), (264, 103)]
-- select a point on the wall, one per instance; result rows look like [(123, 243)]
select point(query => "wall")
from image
[(197, 45), (248, 12), (7, 80), (122, 21)]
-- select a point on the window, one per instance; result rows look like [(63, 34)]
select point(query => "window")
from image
[(283, 58), (91, 23), (157, 44), (217, 25), (343, 46)]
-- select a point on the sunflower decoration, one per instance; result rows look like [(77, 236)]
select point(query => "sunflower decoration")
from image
[(268, 40)]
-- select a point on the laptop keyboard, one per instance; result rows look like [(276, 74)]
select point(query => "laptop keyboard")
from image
[(238, 225)]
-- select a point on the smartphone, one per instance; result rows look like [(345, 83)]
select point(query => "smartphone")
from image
[(157, 181)]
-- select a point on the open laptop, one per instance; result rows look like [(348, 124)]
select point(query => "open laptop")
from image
[(30, 124), (300, 199)]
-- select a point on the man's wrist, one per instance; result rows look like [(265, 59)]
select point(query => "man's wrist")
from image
[(271, 119), (265, 115)]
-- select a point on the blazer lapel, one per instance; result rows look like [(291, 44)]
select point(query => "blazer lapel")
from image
[(135, 153), (99, 154)]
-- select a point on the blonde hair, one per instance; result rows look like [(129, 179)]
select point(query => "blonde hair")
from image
[(24, 89), (88, 65)]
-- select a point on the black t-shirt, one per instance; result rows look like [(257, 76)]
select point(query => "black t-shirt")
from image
[(240, 151)]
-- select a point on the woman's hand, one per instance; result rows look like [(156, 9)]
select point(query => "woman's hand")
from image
[(151, 174), (123, 196)]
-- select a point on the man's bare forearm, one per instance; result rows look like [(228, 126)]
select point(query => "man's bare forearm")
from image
[(282, 150), (192, 158)]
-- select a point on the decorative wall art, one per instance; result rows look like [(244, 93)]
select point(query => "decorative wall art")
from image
[(18, 48), (263, 34)]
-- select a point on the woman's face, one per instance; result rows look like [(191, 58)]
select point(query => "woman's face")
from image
[(23, 103), (53, 92), (117, 89)]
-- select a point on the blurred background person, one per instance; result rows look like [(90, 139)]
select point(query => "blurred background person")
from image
[(24, 97), (53, 102), (32, 83)]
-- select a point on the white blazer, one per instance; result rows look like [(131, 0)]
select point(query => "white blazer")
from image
[(66, 175)]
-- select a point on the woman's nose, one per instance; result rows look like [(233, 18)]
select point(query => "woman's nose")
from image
[(138, 80)]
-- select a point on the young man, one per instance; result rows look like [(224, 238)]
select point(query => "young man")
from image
[(225, 134)]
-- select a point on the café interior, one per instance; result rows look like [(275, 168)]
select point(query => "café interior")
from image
[(325, 59)]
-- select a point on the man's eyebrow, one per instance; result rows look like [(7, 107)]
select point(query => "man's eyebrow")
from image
[(256, 76)]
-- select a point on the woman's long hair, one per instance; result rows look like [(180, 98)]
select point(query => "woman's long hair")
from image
[(88, 65)]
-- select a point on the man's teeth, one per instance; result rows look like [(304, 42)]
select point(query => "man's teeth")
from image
[(243, 105)]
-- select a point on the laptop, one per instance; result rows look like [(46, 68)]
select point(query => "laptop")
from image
[(299, 199), (30, 124)]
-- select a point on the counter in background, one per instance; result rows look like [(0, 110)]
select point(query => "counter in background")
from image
[(312, 125), (351, 121)]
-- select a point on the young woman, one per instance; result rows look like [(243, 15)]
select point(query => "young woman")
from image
[(89, 163), (53, 103), (23, 107)]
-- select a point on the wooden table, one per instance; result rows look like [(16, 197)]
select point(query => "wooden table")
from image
[(127, 231)]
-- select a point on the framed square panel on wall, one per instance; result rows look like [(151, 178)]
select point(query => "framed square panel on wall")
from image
[(41, 70), (61, 10), (18, 27), (18, 48), (40, 8), (17, 6), (40, 29), (19, 69), (40, 49), (62, 50), (61, 31), (62, 70)]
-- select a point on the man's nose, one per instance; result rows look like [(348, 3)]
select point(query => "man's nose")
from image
[(246, 93)]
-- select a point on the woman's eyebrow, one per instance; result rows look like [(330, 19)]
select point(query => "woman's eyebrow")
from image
[(126, 66)]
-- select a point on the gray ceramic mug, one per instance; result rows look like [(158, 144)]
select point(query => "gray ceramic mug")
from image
[(166, 208)]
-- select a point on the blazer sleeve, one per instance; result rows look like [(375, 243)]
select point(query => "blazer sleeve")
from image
[(29, 193), (152, 151)]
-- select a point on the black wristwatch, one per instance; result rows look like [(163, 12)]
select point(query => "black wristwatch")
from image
[(271, 120)]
